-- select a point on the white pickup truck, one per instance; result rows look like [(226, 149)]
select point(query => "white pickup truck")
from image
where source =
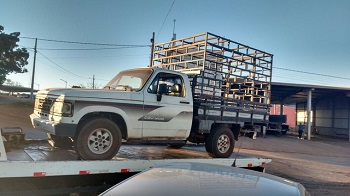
[(206, 101), (145, 103)]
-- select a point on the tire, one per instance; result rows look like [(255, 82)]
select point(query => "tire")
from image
[(60, 141), (208, 145), (98, 139), (220, 142), (284, 132), (177, 145)]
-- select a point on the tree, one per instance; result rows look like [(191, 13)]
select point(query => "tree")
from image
[(12, 58), (9, 82), (89, 85)]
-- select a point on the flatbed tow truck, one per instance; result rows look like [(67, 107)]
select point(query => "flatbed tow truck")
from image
[(35, 167)]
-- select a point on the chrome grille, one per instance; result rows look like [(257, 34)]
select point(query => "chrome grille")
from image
[(44, 105)]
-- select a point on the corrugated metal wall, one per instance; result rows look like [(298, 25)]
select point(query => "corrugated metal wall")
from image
[(330, 115)]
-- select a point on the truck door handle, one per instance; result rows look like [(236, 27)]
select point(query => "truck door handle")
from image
[(185, 102)]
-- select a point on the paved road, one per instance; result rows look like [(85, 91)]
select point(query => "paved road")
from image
[(322, 165)]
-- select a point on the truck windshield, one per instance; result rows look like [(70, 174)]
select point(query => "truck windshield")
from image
[(129, 80)]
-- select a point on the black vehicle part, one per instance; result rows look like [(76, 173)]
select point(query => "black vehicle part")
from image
[(60, 141), (177, 145)]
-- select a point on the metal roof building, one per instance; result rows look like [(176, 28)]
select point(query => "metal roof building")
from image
[(329, 107)]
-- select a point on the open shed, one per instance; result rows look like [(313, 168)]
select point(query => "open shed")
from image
[(324, 108)]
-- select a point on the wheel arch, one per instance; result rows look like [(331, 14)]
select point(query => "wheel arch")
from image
[(235, 128), (116, 118)]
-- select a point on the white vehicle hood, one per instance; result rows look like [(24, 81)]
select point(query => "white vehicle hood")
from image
[(77, 93), (205, 179)]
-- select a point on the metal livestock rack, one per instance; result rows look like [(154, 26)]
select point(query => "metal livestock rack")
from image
[(226, 75)]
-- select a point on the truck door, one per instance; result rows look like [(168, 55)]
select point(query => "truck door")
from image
[(171, 115)]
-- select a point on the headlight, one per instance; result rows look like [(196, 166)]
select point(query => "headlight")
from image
[(63, 108), (67, 108)]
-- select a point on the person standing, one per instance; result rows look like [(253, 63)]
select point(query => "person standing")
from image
[(300, 127)]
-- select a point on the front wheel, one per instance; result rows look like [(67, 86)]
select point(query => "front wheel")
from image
[(98, 139), (220, 142)]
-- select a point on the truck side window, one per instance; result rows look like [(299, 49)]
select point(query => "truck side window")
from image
[(174, 83)]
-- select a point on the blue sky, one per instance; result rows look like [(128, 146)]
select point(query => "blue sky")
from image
[(306, 35)]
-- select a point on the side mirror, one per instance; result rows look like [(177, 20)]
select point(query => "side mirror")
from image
[(162, 89)]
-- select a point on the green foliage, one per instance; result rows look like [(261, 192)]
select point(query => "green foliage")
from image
[(9, 82), (12, 58)]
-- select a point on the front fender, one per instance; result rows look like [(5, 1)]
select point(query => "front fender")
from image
[(78, 115)]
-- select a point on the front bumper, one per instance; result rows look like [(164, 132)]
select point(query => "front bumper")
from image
[(59, 129)]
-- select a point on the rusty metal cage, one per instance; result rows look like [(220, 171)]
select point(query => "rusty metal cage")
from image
[(225, 74)]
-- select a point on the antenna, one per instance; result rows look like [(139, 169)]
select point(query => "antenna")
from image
[(174, 35), (234, 162), (239, 148)]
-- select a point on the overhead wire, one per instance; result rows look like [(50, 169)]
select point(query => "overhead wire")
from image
[(88, 43), (45, 63), (318, 74), (312, 78), (120, 46), (88, 48), (166, 17), (32, 49), (117, 56), (61, 66)]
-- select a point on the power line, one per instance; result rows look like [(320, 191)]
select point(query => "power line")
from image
[(62, 67), (165, 18), (304, 80), (32, 49), (124, 47), (317, 74), (49, 65), (88, 43), (103, 56), (26, 47)]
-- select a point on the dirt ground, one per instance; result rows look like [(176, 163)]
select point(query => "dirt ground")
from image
[(322, 165), (14, 112)]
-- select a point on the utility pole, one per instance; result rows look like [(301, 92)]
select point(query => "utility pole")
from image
[(93, 81), (152, 49), (32, 85)]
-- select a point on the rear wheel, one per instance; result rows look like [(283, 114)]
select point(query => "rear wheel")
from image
[(98, 139), (220, 142)]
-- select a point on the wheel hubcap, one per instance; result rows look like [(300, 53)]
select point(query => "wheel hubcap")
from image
[(223, 143), (100, 141)]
